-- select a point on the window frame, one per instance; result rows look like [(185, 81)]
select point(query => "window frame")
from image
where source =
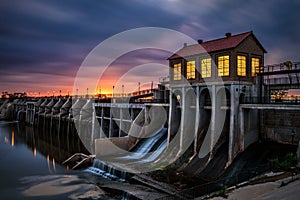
[(223, 63), (190, 70), (238, 67), (257, 68), (177, 73), (207, 68)]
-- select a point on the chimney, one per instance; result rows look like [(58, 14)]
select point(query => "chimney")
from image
[(200, 41), (228, 34), (185, 44)]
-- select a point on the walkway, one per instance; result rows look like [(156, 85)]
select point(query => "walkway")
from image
[(266, 191)]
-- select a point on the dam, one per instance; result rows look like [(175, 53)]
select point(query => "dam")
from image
[(208, 112)]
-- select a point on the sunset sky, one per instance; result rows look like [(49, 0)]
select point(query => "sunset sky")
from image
[(44, 42)]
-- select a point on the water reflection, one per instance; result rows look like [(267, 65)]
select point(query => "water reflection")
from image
[(12, 138), (30, 167), (28, 151), (53, 145), (34, 151), (70, 185)]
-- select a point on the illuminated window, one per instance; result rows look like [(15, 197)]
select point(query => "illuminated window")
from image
[(206, 67), (223, 65), (241, 65), (191, 70), (255, 66), (177, 71)]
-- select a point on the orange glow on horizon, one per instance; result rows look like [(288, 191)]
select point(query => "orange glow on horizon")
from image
[(106, 86)]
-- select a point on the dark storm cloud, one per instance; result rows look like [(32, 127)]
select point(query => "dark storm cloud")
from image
[(52, 37), (275, 23)]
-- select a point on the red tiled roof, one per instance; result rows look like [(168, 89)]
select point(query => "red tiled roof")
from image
[(213, 45)]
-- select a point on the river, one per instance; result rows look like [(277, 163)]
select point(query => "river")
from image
[(30, 166)]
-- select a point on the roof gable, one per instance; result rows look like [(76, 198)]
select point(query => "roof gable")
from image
[(228, 42)]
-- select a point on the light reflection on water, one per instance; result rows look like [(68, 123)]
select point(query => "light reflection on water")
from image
[(30, 165)]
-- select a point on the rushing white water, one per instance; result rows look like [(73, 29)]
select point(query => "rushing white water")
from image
[(156, 153), (146, 146), (101, 169)]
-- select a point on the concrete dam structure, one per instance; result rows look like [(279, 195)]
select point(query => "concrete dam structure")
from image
[(215, 105)]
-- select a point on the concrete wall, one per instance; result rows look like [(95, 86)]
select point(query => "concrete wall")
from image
[(111, 146), (279, 126), (251, 127)]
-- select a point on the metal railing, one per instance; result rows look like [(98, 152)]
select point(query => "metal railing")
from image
[(282, 81), (267, 100), (280, 67)]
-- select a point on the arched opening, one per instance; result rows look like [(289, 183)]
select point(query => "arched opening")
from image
[(205, 116), (197, 164), (190, 114), (175, 112)]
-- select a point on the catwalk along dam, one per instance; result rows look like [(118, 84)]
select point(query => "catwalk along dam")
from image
[(218, 99)]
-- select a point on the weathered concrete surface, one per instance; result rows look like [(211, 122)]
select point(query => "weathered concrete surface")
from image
[(266, 191), (139, 191), (281, 125), (111, 146)]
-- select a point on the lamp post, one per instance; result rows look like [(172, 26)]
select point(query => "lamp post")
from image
[(122, 90), (139, 87)]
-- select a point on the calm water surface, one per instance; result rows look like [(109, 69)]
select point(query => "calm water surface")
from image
[(30, 169)]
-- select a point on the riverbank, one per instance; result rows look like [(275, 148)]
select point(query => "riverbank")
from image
[(287, 188)]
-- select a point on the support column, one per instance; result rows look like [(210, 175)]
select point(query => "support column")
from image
[(101, 123), (197, 121), (232, 124), (93, 125), (213, 117), (110, 123), (121, 122), (182, 123), (171, 113), (131, 116), (146, 115), (242, 130)]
